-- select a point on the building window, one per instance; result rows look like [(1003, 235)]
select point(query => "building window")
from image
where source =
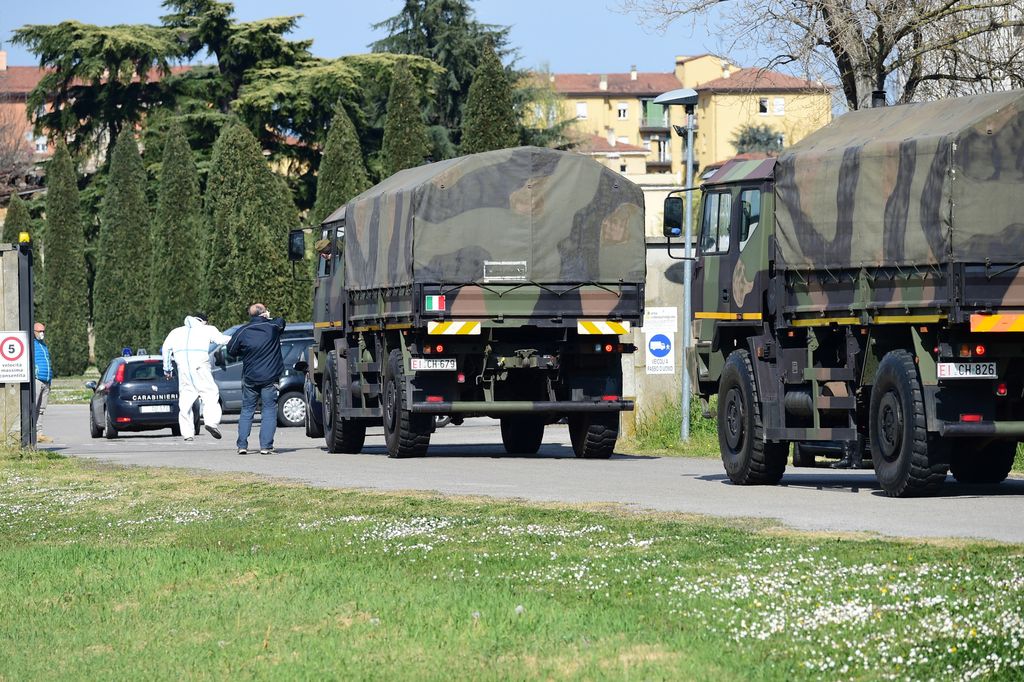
[(581, 109), (762, 105), (622, 168), (780, 106), (41, 145), (623, 111)]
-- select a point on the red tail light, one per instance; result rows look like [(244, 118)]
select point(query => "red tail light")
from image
[(435, 399), (461, 378), (1001, 389), (608, 348), (439, 348), (119, 375), (123, 420), (970, 417), (609, 398), (979, 350)]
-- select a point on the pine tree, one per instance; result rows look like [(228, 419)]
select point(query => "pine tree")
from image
[(489, 120), (177, 249), (342, 173), (67, 302), (16, 221), (405, 134), (120, 297), (249, 211)]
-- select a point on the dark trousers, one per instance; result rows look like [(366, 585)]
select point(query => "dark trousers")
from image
[(267, 394)]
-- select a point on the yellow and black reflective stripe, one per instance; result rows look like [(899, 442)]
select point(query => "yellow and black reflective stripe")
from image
[(727, 316), (1000, 322), (601, 327), (453, 327)]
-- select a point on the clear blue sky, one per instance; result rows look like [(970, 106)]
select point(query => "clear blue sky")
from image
[(568, 35)]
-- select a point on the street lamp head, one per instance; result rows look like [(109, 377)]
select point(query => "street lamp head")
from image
[(685, 96)]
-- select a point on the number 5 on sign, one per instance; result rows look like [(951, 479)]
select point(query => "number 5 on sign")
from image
[(14, 357)]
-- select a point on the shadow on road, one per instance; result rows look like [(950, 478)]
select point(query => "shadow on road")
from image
[(845, 481), (482, 451)]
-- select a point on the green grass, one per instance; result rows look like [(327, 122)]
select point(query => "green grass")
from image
[(158, 574), (71, 390), (657, 432)]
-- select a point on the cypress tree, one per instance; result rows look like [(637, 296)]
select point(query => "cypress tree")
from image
[(405, 134), (342, 174), (16, 221), (250, 211), (67, 302), (19, 220), (120, 297), (177, 249), (489, 120)]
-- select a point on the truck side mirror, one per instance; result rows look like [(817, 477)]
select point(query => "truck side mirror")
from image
[(672, 225), (296, 245)]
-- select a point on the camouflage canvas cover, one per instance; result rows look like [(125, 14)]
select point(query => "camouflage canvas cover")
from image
[(516, 215), (915, 184)]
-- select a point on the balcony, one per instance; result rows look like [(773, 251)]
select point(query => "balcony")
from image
[(654, 124), (659, 166)]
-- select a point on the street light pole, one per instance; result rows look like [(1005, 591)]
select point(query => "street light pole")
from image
[(688, 98), (684, 431)]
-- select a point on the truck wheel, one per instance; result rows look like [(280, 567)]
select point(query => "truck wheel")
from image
[(747, 457), (802, 457), (522, 435), (406, 434), (109, 430), (342, 435), (988, 464), (907, 461), (593, 435), (291, 409)]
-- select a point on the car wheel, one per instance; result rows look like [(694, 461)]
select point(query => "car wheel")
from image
[(522, 434), (95, 430), (110, 431), (907, 460), (748, 459), (291, 409), (987, 465)]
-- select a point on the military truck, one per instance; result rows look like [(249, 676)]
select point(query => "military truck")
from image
[(866, 288), (497, 284)]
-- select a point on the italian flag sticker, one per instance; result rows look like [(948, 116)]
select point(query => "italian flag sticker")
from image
[(434, 303)]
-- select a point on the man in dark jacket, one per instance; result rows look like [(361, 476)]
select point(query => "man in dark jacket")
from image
[(258, 344)]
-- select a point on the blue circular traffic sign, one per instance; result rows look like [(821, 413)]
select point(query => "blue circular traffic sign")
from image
[(659, 345)]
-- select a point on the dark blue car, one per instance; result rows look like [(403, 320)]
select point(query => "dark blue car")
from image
[(133, 395)]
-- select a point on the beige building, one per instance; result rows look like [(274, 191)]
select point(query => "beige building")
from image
[(619, 108)]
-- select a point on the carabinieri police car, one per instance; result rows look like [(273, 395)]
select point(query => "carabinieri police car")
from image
[(133, 395)]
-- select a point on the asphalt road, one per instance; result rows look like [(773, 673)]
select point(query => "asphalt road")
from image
[(469, 460)]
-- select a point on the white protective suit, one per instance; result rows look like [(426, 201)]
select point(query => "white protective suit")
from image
[(189, 346)]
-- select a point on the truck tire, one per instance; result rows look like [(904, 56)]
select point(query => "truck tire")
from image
[(748, 459), (342, 435), (802, 457), (907, 460), (988, 464), (593, 436), (406, 434), (522, 434)]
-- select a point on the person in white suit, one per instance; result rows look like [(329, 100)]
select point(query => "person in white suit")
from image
[(189, 347)]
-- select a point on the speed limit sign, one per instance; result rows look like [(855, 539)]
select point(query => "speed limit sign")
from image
[(14, 359)]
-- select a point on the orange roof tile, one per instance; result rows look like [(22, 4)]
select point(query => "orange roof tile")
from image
[(597, 144), (761, 80), (618, 83), (19, 80)]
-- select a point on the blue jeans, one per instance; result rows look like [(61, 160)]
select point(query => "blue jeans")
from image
[(268, 419)]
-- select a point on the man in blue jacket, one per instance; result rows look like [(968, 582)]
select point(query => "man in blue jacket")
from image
[(44, 370), (258, 344)]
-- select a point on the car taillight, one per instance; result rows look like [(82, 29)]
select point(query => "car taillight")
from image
[(123, 420), (119, 375)]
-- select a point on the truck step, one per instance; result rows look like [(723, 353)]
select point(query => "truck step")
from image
[(828, 374), (779, 433)]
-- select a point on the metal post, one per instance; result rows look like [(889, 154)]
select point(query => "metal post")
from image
[(687, 276), (26, 321)]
